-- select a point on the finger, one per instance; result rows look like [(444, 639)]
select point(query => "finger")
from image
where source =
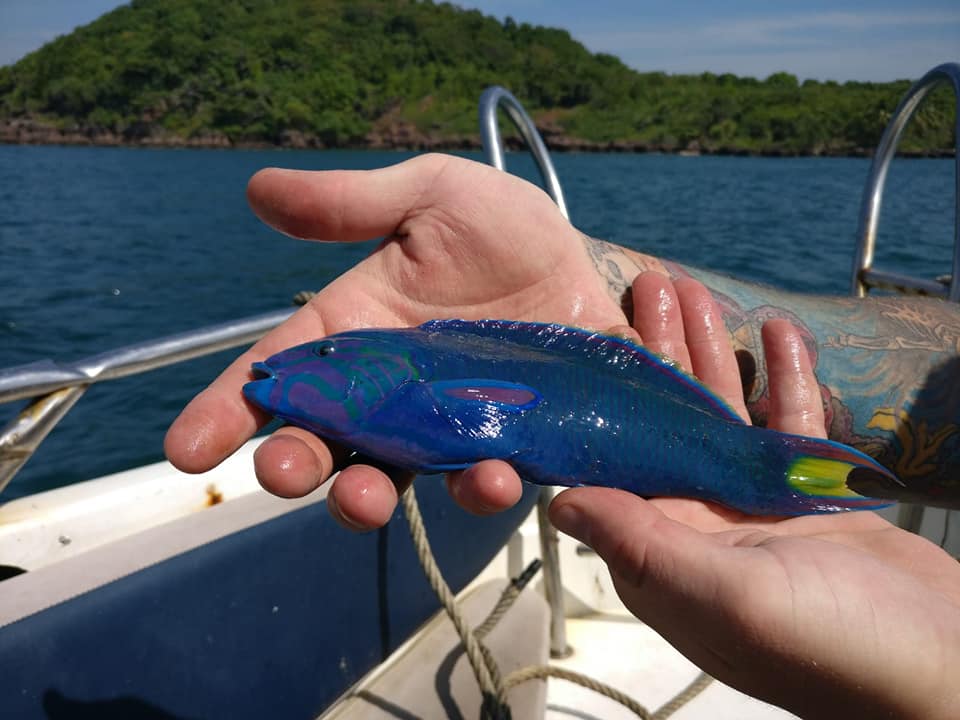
[(650, 552), (626, 332), (219, 420), (485, 488), (671, 576), (795, 402), (364, 497), (657, 317), (401, 479), (711, 353), (343, 205), (293, 462)]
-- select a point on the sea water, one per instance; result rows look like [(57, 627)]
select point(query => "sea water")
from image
[(103, 247)]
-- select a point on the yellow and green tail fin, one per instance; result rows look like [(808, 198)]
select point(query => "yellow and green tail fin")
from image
[(826, 476)]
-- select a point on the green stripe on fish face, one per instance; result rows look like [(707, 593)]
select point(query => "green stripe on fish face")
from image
[(345, 380)]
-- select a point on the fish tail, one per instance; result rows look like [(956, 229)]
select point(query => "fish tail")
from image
[(826, 476)]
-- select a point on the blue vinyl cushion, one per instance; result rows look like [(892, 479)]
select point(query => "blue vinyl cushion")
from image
[(275, 621)]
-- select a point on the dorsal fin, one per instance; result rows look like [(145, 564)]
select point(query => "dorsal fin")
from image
[(634, 359)]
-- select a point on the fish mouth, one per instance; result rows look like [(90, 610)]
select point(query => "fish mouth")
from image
[(259, 390), (262, 371)]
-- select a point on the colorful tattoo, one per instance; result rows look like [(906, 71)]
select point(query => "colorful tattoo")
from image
[(888, 367)]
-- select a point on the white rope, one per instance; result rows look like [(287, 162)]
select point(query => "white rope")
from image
[(493, 688)]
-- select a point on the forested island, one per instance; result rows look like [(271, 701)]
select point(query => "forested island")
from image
[(408, 74)]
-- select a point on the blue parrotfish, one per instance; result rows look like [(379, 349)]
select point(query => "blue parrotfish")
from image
[(563, 406)]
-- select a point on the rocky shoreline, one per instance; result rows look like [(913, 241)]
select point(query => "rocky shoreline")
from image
[(397, 135)]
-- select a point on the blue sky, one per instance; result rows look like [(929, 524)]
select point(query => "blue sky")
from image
[(841, 40)]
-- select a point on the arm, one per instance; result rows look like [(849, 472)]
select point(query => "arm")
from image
[(819, 614), (888, 366), (465, 240)]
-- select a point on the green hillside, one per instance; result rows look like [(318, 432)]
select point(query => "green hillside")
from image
[(338, 73)]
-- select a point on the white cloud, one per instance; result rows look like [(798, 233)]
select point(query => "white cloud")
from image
[(767, 31), (834, 45), (768, 28)]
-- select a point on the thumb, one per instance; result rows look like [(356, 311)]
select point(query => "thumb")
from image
[(685, 585), (343, 205), (657, 561)]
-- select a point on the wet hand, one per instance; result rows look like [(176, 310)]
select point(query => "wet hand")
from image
[(682, 322), (462, 240)]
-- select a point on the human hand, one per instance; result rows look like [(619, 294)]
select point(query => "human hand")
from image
[(828, 616), (463, 240)]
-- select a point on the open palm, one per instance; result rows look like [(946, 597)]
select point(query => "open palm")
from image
[(462, 240)]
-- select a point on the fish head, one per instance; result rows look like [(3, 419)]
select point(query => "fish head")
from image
[(331, 386)]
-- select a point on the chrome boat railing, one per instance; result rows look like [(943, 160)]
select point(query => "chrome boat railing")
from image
[(55, 386), (491, 100), (865, 276)]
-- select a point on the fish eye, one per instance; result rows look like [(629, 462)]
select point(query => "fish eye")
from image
[(324, 348)]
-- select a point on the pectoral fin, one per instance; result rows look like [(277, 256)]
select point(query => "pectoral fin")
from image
[(481, 407), (465, 395)]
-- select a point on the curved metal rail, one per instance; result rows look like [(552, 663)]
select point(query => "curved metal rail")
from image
[(55, 387), (865, 276), (490, 101)]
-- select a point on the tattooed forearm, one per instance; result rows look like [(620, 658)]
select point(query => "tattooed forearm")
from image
[(889, 387), (888, 367)]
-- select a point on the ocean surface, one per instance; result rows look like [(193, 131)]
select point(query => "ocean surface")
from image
[(102, 247)]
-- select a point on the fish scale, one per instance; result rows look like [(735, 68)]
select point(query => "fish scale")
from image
[(564, 406)]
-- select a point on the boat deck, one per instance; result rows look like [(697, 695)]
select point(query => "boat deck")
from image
[(623, 652)]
